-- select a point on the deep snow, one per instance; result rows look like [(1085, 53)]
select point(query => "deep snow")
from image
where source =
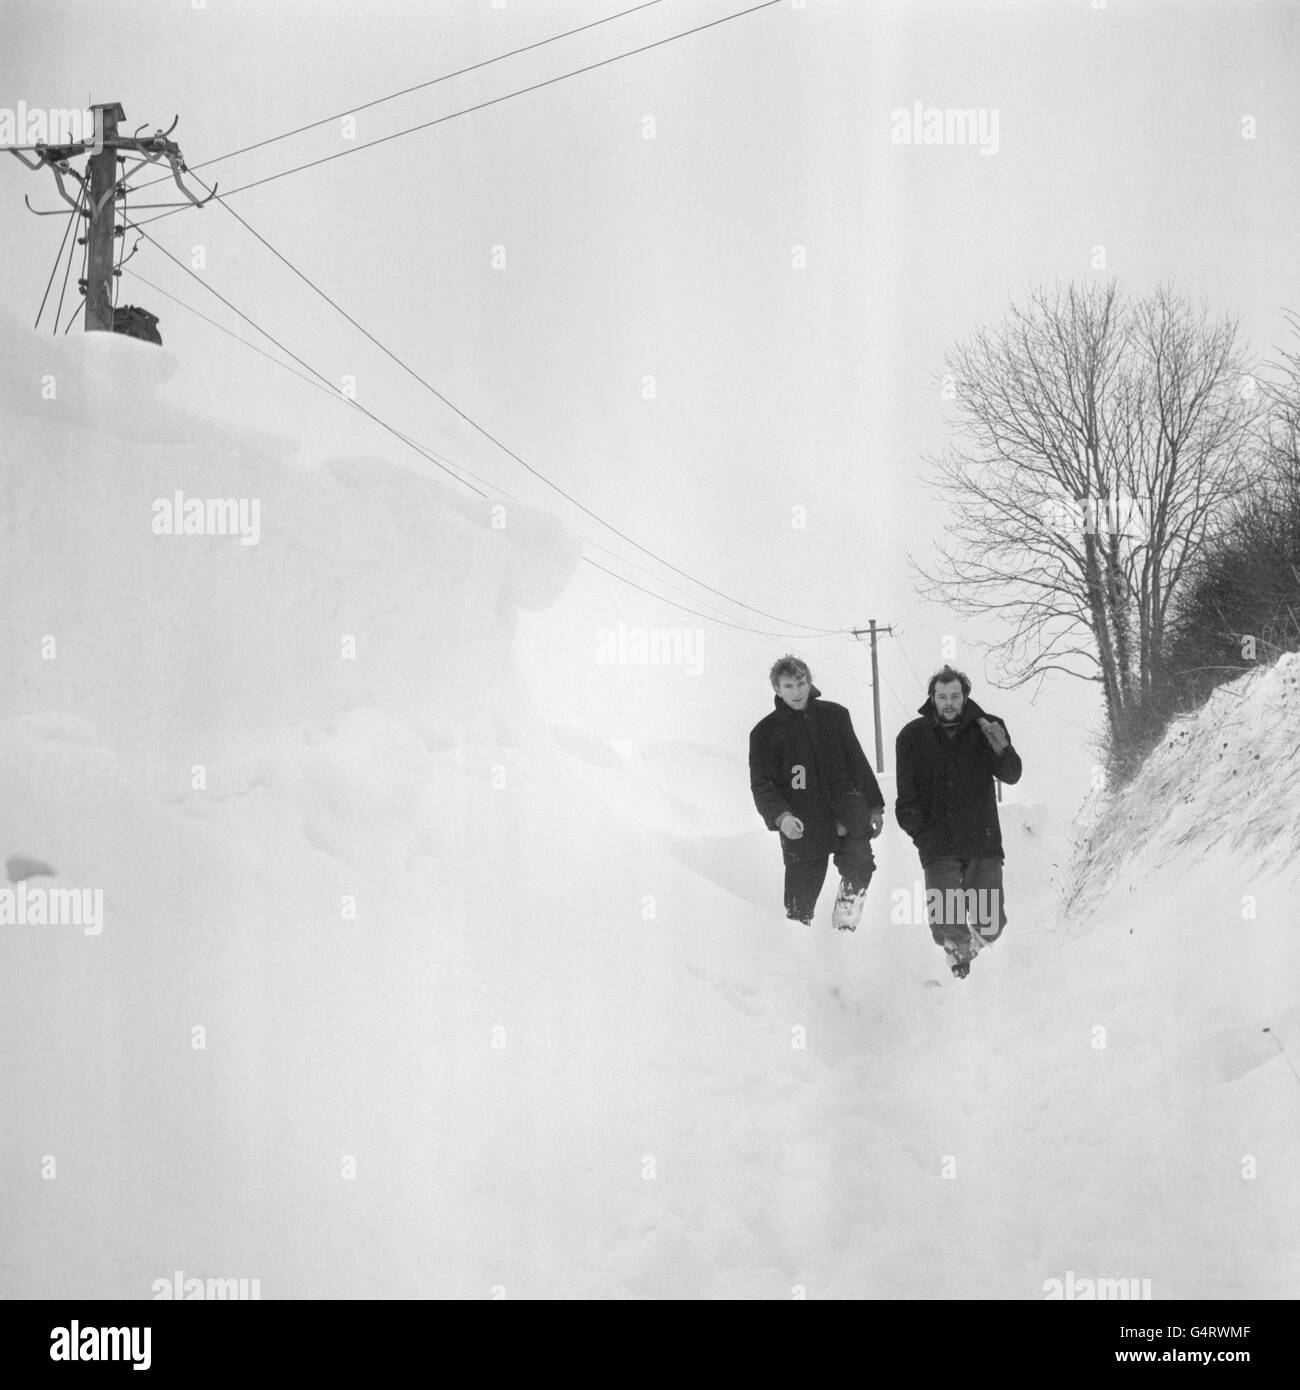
[(569, 1040)]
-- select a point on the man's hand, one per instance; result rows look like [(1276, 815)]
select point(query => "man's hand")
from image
[(790, 826), (996, 735), (877, 823)]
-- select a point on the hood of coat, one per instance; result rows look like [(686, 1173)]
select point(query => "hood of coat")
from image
[(970, 711), (782, 708)]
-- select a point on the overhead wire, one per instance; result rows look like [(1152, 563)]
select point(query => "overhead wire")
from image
[(479, 106), (811, 629), (406, 91), (230, 333), (77, 307), (897, 635), (414, 444), (72, 251), (725, 622), (289, 351), (318, 380), (898, 699), (54, 269), (492, 438), (321, 382)]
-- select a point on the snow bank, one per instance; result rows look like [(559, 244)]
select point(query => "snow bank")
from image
[(1224, 779), (366, 584)]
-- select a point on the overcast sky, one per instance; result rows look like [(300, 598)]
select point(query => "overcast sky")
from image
[(776, 386)]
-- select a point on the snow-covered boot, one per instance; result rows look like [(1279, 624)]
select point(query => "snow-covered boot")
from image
[(958, 961), (958, 958), (848, 907)]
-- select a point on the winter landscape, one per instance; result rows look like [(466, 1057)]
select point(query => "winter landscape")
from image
[(386, 910)]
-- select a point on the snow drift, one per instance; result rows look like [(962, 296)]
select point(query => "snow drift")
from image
[(354, 591), (408, 995)]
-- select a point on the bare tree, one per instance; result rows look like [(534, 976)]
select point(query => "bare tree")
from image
[(1095, 440), (1240, 602)]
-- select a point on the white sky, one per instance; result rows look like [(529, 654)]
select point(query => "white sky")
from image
[(626, 257)]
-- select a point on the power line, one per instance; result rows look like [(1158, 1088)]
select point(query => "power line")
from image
[(421, 448), (430, 454), (725, 622), (76, 308), (908, 659), (658, 578), (424, 449), (221, 327), (427, 385), (289, 352), (884, 680), (481, 106), (54, 269), (417, 87), (72, 251), (319, 385), (319, 382), (488, 435), (810, 630)]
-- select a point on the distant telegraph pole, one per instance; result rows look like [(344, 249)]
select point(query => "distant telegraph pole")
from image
[(871, 632)]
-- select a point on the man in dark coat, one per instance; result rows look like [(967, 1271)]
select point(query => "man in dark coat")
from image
[(813, 785), (946, 762)]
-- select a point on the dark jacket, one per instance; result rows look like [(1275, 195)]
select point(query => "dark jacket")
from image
[(817, 748), (946, 801)]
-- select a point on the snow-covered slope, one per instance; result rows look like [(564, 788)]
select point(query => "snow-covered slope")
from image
[(490, 1006), (359, 584), (1224, 779)]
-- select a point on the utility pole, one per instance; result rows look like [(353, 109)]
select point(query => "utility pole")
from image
[(871, 631), (102, 169), (101, 188)]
